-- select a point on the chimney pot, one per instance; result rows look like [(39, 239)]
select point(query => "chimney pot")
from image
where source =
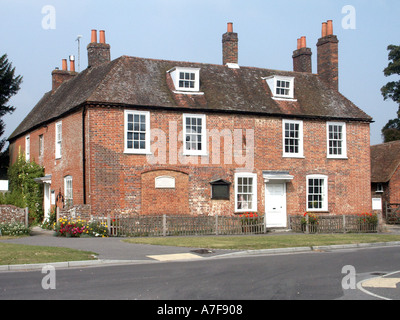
[(303, 42), (230, 27), (64, 65), (72, 63), (94, 36), (329, 30), (102, 36), (324, 29), (298, 43)]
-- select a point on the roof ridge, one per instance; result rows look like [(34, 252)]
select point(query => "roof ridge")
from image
[(218, 65)]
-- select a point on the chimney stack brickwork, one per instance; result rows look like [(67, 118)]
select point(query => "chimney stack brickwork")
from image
[(230, 46), (302, 57), (98, 53), (60, 76), (328, 56)]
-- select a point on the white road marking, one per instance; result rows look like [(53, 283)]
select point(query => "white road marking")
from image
[(389, 283), (379, 282), (175, 257)]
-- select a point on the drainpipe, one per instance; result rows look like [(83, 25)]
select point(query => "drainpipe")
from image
[(84, 154)]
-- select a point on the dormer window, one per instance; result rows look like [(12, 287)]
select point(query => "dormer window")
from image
[(186, 79), (282, 87)]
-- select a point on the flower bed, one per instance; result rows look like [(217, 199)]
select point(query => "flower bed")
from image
[(252, 222), (80, 228), (311, 221)]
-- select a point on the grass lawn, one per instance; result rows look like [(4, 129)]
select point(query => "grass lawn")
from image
[(265, 241), (24, 254)]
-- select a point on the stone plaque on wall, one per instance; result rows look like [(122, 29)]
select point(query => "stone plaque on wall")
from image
[(165, 182)]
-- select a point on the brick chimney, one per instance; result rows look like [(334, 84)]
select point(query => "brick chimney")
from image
[(98, 53), (230, 46), (60, 76), (302, 57), (328, 56)]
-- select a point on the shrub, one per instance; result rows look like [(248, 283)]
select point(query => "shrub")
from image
[(312, 218), (50, 223), (13, 198), (13, 229), (368, 218), (25, 192)]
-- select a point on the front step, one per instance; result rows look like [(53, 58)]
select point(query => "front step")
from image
[(279, 230)]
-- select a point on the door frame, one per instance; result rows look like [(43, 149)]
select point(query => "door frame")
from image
[(47, 200), (284, 206), (276, 177)]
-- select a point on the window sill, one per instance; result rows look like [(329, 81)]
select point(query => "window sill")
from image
[(245, 211), (337, 158), (189, 92), (284, 98), (293, 156), (137, 152), (202, 154)]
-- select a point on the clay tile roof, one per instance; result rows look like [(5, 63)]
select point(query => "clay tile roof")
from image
[(131, 81), (385, 159)]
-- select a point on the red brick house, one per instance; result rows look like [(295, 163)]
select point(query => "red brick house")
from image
[(153, 136), (385, 174)]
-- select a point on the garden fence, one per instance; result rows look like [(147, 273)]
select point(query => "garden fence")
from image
[(177, 225), (334, 224)]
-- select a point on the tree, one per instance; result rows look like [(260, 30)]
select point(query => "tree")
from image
[(391, 131), (9, 86)]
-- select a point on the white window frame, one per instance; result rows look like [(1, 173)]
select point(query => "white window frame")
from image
[(203, 135), (68, 190), (300, 138), (28, 148), (253, 193), (324, 193), (41, 145), (343, 140), (176, 73), (127, 130), (379, 188), (273, 85), (58, 139)]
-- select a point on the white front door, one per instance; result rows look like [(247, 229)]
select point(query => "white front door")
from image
[(275, 205), (46, 201)]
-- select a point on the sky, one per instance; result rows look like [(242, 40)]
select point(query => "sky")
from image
[(36, 35)]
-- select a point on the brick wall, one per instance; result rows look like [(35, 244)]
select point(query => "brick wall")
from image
[(82, 212), (118, 182), (70, 163), (161, 199), (328, 60)]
